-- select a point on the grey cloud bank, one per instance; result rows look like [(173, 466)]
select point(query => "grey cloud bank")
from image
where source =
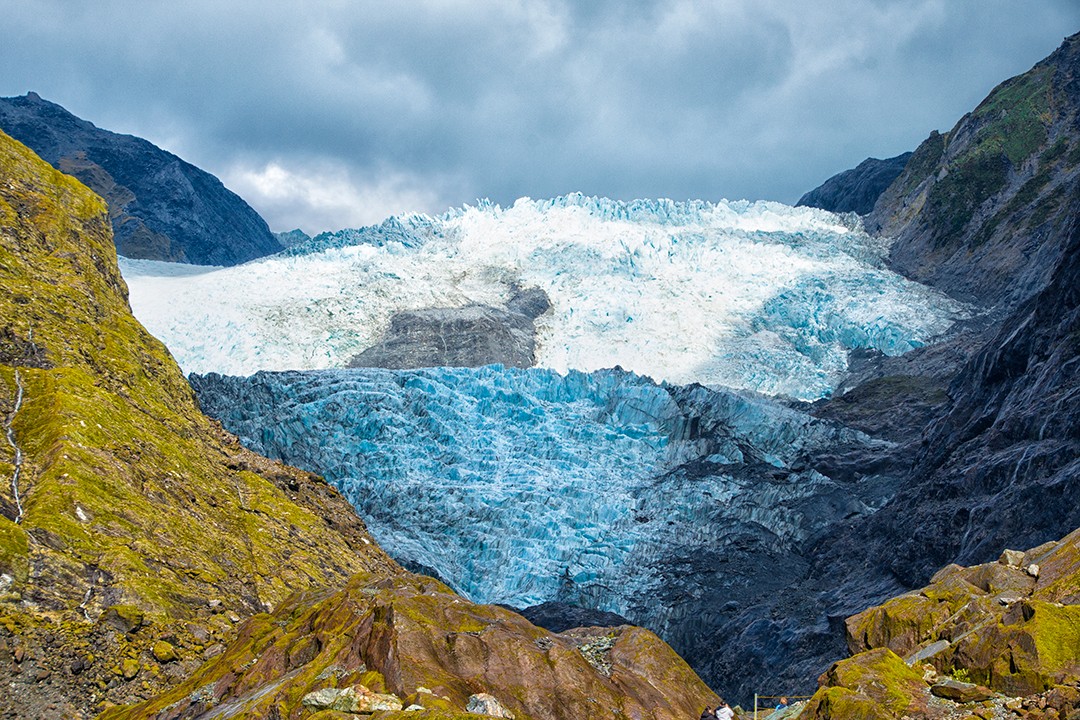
[(338, 114)]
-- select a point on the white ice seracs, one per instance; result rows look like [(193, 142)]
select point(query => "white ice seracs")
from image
[(758, 296)]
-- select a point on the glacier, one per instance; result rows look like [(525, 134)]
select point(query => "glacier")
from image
[(523, 486), (747, 295)]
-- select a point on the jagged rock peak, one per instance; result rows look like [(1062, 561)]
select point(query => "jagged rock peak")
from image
[(979, 211)]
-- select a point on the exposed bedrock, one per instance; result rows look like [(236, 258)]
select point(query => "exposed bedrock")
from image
[(469, 336)]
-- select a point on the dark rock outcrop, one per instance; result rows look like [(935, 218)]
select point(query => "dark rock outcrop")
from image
[(1000, 466), (856, 190), (470, 336), (161, 207), (560, 617), (292, 237)]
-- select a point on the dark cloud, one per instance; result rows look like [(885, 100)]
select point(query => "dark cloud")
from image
[(337, 113)]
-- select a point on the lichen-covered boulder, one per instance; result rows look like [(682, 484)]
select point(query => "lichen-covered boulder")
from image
[(872, 685)]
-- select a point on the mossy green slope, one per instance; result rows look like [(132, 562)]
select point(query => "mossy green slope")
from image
[(127, 495)]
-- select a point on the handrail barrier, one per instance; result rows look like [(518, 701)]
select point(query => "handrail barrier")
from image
[(775, 697)]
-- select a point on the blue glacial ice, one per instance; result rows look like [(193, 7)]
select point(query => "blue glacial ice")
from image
[(502, 481)]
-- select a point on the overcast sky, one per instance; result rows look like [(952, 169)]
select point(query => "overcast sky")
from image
[(335, 114)]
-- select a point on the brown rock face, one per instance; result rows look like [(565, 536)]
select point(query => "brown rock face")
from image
[(412, 638)]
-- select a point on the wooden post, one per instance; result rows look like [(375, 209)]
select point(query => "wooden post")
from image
[(755, 706)]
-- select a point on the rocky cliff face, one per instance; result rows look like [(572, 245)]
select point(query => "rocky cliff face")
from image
[(980, 211), (856, 190), (136, 537), (989, 212), (160, 207)]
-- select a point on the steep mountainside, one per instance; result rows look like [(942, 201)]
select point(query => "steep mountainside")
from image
[(136, 536), (856, 190), (980, 210), (123, 510), (161, 207)]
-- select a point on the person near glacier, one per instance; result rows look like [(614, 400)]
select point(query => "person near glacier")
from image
[(723, 712)]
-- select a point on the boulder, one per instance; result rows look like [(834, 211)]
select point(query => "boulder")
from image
[(871, 685), (838, 703), (163, 651), (961, 692), (484, 704), (358, 699), (125, 618), (1012, 558)]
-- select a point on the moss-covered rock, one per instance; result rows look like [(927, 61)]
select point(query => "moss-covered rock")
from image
[(163, 651), (411, 638), (880, 676), (992, 624), (899, 625), (1030, 647), (840, 703)]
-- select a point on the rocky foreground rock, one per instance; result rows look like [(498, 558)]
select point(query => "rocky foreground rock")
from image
[(385, 644), (999, 640)]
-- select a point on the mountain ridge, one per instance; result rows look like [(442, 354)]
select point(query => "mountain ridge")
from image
[(160, 206), (856, 190)]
